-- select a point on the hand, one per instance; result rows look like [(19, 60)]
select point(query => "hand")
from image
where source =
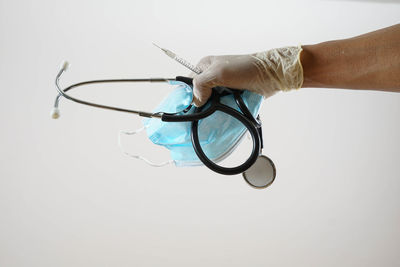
[(264, 73)]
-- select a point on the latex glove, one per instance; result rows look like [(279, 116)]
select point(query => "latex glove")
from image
[(264, 73)]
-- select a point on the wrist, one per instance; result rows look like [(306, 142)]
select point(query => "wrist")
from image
[(306, 60)]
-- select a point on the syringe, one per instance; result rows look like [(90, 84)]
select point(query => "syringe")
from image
[(180, 60)]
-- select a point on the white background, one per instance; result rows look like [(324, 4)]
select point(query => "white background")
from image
[(69, 197)]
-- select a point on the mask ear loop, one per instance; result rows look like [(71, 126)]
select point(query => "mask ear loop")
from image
[(151, 163)]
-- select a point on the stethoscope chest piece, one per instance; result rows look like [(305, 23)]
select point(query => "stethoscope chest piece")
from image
[(261, 174)]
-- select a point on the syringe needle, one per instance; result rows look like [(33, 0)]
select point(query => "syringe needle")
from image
[(156, 45), (166, 51), (180, 60)]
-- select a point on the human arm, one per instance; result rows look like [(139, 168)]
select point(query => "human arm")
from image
[(370, 61)]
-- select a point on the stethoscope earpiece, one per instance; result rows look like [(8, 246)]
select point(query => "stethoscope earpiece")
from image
[(55, 113), (64, 65)]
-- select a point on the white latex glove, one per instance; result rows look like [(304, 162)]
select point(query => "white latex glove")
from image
[(264, 73)]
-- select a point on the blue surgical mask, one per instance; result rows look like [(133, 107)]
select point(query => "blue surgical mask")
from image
[(219, 134)]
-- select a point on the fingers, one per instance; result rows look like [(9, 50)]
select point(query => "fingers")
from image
[(203, 84), (203, 64)]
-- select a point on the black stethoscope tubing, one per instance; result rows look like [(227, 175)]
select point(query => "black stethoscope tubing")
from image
[(253, 125), (246, 118), (250, 127)]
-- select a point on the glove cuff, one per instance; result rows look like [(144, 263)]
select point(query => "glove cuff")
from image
[(282, 67)]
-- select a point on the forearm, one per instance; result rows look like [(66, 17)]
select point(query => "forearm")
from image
[(369, 61)]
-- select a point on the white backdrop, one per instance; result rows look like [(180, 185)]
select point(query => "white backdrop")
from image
[(69, 197)]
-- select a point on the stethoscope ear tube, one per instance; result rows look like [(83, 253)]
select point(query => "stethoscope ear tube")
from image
[(187, 80), (63, 93)]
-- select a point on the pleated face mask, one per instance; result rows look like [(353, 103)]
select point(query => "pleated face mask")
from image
[(219, 134)]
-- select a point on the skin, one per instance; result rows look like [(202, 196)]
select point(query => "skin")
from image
[(366, 62)]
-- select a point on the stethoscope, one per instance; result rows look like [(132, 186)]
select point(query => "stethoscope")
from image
[(252, 175)]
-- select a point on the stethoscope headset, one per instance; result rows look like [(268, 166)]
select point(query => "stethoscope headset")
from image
[(258, 170)]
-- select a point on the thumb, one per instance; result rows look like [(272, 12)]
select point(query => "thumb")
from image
[(202, 87)]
